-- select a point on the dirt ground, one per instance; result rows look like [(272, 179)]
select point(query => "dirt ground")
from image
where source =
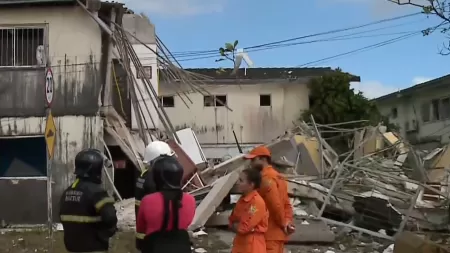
[(217, 241)]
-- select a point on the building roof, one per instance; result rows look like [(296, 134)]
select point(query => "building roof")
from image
[(12, 3), (24, 2), (435, 83), (265, 73)]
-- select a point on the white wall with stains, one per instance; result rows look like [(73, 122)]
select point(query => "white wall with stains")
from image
[(72, 34), (143, 92), (251, 122), (73, 51)]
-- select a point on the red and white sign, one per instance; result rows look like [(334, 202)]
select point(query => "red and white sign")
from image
[(120, 164), (49, 87)]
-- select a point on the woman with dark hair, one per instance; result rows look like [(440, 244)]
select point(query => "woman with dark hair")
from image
[(165, 215), (250, 217)]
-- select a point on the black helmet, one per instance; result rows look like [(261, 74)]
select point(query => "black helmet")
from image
[(89, 164), (167, 173)]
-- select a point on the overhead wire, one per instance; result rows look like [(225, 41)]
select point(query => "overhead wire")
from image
[(315, 34), (369, 47), (191, 55)]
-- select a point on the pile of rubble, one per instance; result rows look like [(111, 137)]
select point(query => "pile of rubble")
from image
[(383, 187)]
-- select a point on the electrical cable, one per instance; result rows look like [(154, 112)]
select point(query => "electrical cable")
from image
[(315, 34)]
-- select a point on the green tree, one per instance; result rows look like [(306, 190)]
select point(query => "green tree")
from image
[(228, 52), (438, 8), (332, 100)]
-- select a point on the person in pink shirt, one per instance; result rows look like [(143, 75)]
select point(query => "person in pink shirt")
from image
[(164, 216)]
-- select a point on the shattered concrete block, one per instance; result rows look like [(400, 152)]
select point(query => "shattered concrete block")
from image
[(408, 242), (312, 231)]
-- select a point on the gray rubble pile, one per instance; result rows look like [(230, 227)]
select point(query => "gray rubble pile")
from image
[(382, 187)]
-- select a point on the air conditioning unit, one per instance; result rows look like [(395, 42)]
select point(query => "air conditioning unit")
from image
[(411, 126)]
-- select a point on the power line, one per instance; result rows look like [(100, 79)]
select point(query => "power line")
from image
[(214, 54), (308, 36), (338, 30), (339, 38), (362, 49), (373, 46)]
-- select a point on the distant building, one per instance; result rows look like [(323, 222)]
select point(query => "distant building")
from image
[(422, 111), (264, 103)]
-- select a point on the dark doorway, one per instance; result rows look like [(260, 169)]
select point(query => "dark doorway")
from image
[(124, 173), (23, 180), (23, 157)]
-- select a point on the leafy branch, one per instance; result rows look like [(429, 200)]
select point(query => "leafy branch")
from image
[(228, 52), (439, 8)]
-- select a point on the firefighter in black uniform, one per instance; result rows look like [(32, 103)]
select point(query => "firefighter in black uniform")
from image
[(144, 182), (87, 213)]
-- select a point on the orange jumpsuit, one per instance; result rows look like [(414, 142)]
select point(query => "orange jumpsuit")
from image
[(252, 217), (274, 191)]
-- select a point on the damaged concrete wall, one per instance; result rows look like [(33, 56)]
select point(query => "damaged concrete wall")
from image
[(144, 30), (73, 134), (251, 122), (417, 117), (74, 50), (73, 42)]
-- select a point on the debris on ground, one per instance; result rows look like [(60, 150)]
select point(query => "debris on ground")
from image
[(381, 188)]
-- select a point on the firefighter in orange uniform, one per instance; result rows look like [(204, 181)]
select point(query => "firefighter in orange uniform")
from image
[(274, 191), (249, 218)]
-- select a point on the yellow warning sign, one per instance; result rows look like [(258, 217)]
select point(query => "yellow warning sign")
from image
[(50, 134)]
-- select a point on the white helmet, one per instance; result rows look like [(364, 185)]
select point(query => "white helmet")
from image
[(155, 149)]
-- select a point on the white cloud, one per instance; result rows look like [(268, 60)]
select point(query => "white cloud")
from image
[(176, 7), (383, 8), (420, 79), (374, 89)]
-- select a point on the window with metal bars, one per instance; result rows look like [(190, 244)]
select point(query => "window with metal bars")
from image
[(22, 46)]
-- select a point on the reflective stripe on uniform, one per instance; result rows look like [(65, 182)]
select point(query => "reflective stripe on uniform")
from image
[(99, 205), (137, 202), (143, 172), (75, 183), (80, 218), (140, 236)]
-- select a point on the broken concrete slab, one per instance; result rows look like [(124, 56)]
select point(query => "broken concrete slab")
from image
[(407, 242), (209, 204), (311, 231), (219, 219)]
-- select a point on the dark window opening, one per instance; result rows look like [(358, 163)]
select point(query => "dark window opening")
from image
[(445, 108), (425, 112), (168, 101), (23, 157), (208, 101), (265, 100), (215, 100), (394, 113), (22, 47), (435, 109), (147, 70), (221, 100)]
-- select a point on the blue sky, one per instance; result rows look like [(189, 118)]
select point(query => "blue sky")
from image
[(191, 25)]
